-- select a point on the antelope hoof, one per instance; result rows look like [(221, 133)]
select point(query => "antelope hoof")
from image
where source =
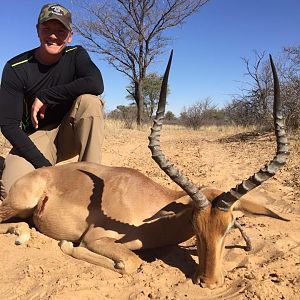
[(247, 239), (66, 247), (196, 278), (23, 238), (22, 231), (120, 265), (248, 246), (209, 285), (128, 266)]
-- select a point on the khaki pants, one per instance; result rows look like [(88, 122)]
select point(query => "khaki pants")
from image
[(80, 133)]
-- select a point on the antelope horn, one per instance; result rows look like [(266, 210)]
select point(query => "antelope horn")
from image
[(154, 144), (226, 200)]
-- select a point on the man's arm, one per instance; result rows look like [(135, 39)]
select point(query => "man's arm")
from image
[(25, 147), (11, 110), (88, 81)]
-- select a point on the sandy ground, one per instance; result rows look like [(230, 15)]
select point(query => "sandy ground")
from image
[(39, 270)]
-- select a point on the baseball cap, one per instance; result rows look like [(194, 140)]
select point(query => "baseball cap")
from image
[(55, 11)]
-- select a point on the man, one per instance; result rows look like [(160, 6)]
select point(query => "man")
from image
[(49, 105)]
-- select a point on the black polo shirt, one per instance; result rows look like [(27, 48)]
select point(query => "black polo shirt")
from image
[(57, 85)]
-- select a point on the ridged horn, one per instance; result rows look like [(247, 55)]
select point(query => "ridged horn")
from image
[(154, 145), (226, 200)]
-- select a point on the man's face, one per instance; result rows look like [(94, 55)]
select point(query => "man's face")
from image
[(54, 36)]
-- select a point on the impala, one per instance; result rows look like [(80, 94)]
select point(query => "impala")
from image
[(112, 211)]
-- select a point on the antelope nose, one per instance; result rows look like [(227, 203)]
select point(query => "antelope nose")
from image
[(210, 286), (207, 283)]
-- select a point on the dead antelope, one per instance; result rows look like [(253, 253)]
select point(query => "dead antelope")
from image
[(111, 211)]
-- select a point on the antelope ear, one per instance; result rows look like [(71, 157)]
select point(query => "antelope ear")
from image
[(250, 206)]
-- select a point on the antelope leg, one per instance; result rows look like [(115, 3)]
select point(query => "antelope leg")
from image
[(85, 254), (125, 260), (21, 230), (106, 253), (247, 239)]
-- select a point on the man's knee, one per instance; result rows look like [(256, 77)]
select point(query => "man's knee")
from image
[(88, 105), (15, 167)]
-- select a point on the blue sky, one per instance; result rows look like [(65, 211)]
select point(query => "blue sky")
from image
[(207, 49)]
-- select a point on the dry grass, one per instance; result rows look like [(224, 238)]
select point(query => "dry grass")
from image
[(113, 125)]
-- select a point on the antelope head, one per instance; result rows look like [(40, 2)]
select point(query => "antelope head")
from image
[(212, 216)]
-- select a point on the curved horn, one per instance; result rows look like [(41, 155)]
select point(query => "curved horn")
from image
[(154, 144), (226, 200)]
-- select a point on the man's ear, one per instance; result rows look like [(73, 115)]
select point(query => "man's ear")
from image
[(70, 37)]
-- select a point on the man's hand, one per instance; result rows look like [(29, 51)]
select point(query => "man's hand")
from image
[(37, 107)]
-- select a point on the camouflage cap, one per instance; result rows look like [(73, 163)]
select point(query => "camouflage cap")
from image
[(55, 11)]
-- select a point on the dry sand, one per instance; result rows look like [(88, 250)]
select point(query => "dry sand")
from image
[(39, 270)]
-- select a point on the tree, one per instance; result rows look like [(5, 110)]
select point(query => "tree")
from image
[(259, 96), (170, 117), (291, 86), (126, 114), (129, 34), (293, 54), (199, 114), (151, 91), (254, 106)]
